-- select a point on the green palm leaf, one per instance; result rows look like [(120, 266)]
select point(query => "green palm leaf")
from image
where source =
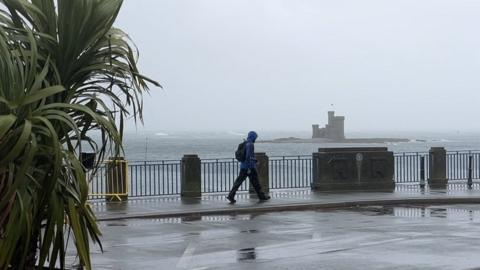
[(62, 67)]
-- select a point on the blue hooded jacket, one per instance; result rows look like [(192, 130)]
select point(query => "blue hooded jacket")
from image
[(250, 161)]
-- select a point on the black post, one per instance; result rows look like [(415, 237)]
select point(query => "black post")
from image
[(469, 182), (422, 172)]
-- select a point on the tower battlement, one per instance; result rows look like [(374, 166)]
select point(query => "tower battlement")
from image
[(334, 129)]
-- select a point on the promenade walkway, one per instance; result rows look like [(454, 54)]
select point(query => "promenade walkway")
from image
[(282, 200), (409, 228)]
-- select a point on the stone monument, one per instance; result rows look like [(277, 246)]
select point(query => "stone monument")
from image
[(356, 168)]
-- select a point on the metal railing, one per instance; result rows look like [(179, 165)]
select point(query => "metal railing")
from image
[(143, 179), (411, 167), (109, 184), (155, 178), (290, 172), (97, 182), (218, 175), (462, 163)]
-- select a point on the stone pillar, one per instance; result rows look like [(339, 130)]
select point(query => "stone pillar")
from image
[(315, 169), (190, 175), (263, 173), (438, 167), (117, 180)]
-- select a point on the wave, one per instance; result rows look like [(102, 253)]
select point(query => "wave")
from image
[(441, 140), (161, 134), (236, 133)]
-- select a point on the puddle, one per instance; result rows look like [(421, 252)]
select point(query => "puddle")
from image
[(377, 211), (116, 225), (438, 212), (187, 219), (249, 231), (457, 212)]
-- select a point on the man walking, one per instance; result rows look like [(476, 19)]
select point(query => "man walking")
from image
[(248, 168)]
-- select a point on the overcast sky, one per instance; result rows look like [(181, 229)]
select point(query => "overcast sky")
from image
[(235, 65)]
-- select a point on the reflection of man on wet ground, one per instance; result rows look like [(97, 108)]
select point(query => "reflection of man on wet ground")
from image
[(248, 168), (246, 254)]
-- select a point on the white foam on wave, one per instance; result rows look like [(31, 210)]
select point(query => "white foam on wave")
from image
[(441, 140), (161, 134), (235, 133)]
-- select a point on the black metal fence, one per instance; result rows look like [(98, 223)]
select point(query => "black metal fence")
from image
[(218, 175), (411, 167), (155, 178), (97, 182), (290, 172), (151, 178), (462, 163)]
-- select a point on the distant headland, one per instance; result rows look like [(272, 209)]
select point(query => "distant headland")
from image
[(333, 132)]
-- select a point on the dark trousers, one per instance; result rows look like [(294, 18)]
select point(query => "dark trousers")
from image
[(253, 176)]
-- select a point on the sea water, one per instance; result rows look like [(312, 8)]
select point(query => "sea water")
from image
[(158, 145)]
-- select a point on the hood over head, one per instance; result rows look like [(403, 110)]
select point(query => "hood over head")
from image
[(252, 136)]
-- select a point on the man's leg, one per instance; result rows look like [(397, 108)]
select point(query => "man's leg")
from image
[(253, 176), (236, 185)]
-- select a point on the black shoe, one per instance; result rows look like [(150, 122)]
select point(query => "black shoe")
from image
[(265, 198), (231, 199)]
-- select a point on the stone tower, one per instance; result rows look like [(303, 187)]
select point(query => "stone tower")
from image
[(334, 130)]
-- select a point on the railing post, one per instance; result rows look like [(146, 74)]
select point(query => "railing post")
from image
[(422, 172), (190, 176), (315, 169), (438, 167), (263, 172), (469, 182), (145, 175)]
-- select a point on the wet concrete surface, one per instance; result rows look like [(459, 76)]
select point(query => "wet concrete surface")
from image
[(281, 200), (374, 237)]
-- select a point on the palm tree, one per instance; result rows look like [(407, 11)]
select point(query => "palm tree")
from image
[(65, 73)]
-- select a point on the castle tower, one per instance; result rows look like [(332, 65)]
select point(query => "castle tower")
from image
[(331, 117), (315, 132), (339, 127), (334, 129)]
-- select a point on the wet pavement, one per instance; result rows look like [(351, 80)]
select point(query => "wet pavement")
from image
[(208, 233), (372, 237), (293, 199)]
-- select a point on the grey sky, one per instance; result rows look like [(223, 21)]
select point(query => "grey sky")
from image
[(279, 64)]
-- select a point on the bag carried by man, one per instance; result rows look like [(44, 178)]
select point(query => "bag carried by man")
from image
[(241, 152)]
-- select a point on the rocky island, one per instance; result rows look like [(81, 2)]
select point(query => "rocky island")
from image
[(333, 132)]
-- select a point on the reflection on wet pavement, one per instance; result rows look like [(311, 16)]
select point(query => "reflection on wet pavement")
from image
[(246, 254), (249, 231), (374, 237), (451, 212), (113, 224)]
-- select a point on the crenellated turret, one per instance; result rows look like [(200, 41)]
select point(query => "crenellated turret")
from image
[(334, 130)]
